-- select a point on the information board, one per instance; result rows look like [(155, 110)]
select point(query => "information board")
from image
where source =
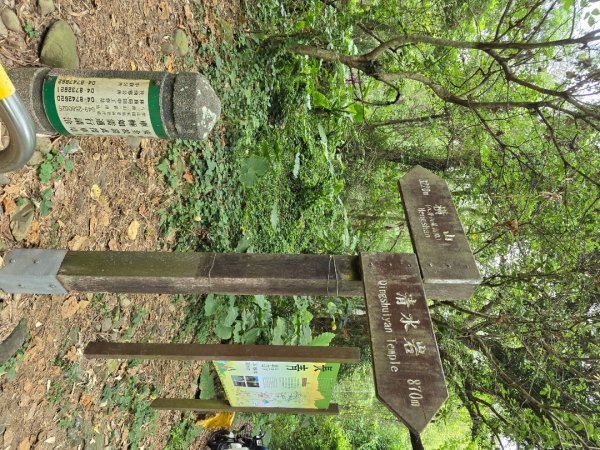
[(278, 384)]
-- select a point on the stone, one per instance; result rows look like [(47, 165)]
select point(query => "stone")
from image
[(105, 325), (134, 142), (182, 42), (10, 19), (36, 159), (4, 179), (124, 302), (43, 144), (60, 47), (21, 219), (3, 29), (168, 48), (46, 7)]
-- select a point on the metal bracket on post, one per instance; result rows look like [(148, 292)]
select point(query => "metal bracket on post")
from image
[(32, 271)]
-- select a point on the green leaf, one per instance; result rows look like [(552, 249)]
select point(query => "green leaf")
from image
[(46, 171), (322, 340), (296, 169), (251, 336), (319, 100), (242, 245), (357, 112), (223, 331), (69, 165), (253, 168), (46, 203), (232, 314), (278, 331), (210, 305), (275, 216), (331, 308), (322, 134), (206, 384), (260, 301)]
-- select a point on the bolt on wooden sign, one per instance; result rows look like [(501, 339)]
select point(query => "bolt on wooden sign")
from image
[(447, 264), (409, 378)]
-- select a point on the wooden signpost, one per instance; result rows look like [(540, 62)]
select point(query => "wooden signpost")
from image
[(409, 378), (447, 264)]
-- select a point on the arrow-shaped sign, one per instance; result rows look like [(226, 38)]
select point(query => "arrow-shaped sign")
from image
[(447, 263), (409, 378)]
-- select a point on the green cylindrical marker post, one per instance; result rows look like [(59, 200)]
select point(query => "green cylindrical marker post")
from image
[(118, 103)]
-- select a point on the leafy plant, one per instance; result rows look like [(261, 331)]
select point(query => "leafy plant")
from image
[(252, 169), (30, 31)]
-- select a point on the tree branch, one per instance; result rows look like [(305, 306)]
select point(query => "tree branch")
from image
[(593, 35)]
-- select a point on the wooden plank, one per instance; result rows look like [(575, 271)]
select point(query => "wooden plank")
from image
[(184, 404), (205, 352), (447, 264), (226, 273), (409, 377)]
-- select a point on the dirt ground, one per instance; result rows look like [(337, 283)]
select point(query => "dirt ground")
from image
[(113, 185)]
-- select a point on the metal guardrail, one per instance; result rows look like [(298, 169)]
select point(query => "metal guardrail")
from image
[(19, 124)]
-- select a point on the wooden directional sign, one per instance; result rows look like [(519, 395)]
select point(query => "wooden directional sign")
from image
[(409, 378), (447, 264)]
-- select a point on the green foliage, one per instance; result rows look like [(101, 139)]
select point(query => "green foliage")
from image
[(307, 162), (206, 384), (9, 368), (30, 31), (53, 163), (183, 433), (251, 169), (134, 398)]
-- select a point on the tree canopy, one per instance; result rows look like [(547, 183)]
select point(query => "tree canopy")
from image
[(502, 98)]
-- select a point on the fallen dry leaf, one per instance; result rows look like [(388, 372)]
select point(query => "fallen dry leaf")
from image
[(86, 400), (188, 177), (95, 192), (103, 218), (188, 12), (12, 189), (72, 306), (69, 307), (9, 206), (24, 445), (164, 10), (132, 230), (33, 236), (93, 225), (170, 64), (71, 355), (77, 243)]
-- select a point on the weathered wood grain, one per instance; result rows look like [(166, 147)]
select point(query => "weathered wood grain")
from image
[(233, 352), (409, 377)]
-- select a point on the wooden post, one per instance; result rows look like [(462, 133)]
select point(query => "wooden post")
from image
[(234, 352), (185, 404), (194, 273), (226, 273)]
